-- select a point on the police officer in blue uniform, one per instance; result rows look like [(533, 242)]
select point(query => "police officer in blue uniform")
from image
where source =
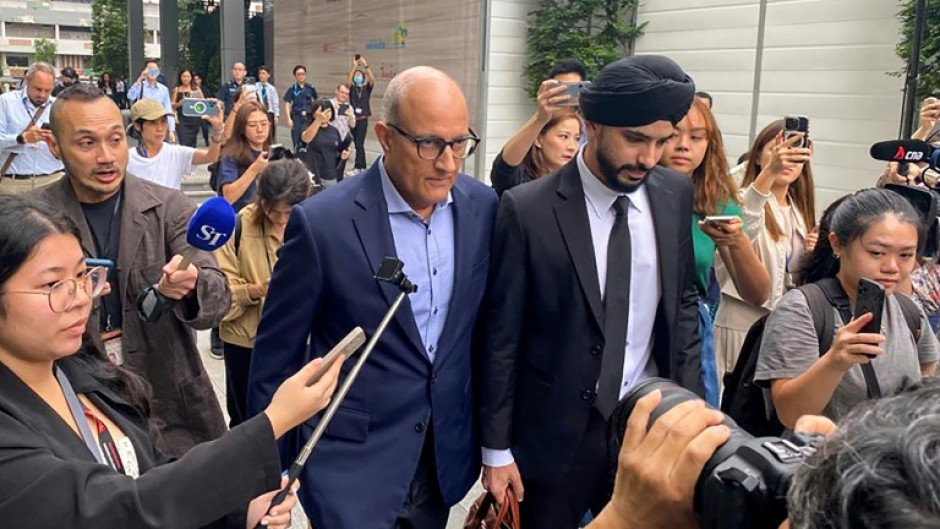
[(298, 105), (228, 90)]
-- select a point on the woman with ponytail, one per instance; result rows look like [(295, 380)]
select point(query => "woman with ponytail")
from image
[(873, 234)]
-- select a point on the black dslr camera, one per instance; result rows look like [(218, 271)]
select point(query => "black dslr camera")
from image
[(744, 484)]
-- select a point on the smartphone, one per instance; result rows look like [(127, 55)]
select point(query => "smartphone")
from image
[(276, 152), (870, 298), (719, 219), (46, 126), (574, 92), (346, 347), (195, 108), (358, 56), (107, 263), (250, 80), (793, 125)]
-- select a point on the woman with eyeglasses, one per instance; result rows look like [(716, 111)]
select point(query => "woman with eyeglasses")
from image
[(76, 448), (244, 155), (325, 146)]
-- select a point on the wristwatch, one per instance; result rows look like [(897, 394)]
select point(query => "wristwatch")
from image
[(20, 140), (151, 304)]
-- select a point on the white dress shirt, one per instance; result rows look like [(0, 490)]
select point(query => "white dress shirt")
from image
[(274, 104), (645, 289), (16, 111)]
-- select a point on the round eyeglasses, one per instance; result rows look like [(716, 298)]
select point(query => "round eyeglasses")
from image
[(62, 293), (432, 147)]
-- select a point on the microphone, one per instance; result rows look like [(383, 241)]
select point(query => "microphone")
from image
[(210, 227)]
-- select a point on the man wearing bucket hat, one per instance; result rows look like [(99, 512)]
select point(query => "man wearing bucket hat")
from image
[(163, 163)]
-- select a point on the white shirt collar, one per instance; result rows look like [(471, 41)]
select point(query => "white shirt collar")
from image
[(600, 197)]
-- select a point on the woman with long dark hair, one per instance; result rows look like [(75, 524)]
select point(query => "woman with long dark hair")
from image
[(248, 260), (75, 447), (873, 234), (780, 214), (189, 126), (543, 145)]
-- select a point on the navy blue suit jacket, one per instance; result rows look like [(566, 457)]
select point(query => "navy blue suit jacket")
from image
[(323, 286)]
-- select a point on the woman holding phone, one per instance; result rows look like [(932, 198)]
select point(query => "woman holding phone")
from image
[(188, 129), (780, 216), (698, 152), (245, 153), (873, 234), (546, 142), (76, 448)]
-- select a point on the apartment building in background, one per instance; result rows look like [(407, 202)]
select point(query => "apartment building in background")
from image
[(67, 23)]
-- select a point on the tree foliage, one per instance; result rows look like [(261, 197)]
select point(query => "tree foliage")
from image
[(204, 48), (45, 51), (595, 32), (109, 37), (929, 83)]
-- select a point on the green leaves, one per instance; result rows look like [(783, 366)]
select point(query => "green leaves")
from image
[(45, 51), (109, 37), (596, 32), (929, 83)]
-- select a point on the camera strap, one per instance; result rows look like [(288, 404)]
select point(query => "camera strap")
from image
[(837, 297), (78, 414)]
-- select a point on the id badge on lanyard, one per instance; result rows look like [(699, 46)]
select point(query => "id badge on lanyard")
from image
[(113, 347)]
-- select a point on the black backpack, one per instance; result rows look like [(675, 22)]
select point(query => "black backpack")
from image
[(743, 399)]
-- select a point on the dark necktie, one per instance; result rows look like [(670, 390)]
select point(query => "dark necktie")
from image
[(264, 95), (616, 309)]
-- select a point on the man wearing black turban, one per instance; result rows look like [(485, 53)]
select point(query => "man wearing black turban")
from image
[(590, 291)]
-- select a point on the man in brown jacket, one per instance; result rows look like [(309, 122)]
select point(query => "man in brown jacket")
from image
[(141, 228)]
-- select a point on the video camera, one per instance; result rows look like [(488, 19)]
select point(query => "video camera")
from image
[(744, 484), (924, 199)]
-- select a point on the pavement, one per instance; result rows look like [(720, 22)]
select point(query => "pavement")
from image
[(216, 370)]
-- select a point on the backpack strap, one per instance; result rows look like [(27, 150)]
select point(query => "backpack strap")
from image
[(821, 309), (837, 298), (911, 315), (237, 235)]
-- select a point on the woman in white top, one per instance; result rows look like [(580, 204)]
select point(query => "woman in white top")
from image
[(164, 163), (780, 213)]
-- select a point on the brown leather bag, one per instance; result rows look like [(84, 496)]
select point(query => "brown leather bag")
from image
[(484, 514)]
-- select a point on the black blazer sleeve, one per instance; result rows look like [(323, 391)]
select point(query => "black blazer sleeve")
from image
[(504, 310), (40, 489), (688, 345)]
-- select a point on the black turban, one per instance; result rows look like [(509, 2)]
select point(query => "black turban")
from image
[(637, 91)]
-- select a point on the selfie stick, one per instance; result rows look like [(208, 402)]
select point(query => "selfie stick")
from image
[(389, 272)]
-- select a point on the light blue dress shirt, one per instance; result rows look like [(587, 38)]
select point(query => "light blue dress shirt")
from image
[(16, 111), (427, 250), (274, 103), (159, 93)]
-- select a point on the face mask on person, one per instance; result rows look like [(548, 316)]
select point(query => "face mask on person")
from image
[(357, 79), (153, 72)]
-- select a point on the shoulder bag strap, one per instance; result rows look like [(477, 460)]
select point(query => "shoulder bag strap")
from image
[(71, 398), (911, 315)]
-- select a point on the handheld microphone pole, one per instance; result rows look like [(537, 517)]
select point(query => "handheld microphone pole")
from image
[(389, 272)]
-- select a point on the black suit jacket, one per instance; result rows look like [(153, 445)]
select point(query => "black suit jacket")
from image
[(49, 478), (543, 330)]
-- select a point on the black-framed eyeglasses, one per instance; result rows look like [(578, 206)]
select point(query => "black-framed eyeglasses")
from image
[(62, 293), (432, 147)]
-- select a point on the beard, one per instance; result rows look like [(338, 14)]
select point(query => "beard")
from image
[(610, 172)]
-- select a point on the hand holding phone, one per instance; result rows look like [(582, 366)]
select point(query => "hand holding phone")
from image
[(795, 126), (195, 108), (345, 348), (573, 89), (870, 299)]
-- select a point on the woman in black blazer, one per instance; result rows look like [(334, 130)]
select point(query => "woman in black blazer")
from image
[(76, 450)]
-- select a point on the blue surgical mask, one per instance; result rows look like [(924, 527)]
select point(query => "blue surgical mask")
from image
[(357, 79), (153, 72)]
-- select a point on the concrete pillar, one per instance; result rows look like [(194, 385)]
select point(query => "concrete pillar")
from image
[(135, 37), (169, 39), (232, 30)]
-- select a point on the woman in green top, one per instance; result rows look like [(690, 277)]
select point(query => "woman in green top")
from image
[(698, 152)]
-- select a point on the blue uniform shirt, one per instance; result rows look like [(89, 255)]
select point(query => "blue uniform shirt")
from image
[(301, 99)]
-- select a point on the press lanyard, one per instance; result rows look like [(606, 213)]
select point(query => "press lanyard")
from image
[(75, 407)]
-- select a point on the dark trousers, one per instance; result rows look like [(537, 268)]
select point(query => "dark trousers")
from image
[(187, 131), (587, 484), (272, 128), (359, 137), (237, 363), (204, 127), (424, 506)]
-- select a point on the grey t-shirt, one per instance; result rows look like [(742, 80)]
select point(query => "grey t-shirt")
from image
[(789, 347)]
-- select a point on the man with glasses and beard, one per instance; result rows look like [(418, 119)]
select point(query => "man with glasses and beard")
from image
[(592, 267), (140, 227), (26, 160), (403, 446)]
